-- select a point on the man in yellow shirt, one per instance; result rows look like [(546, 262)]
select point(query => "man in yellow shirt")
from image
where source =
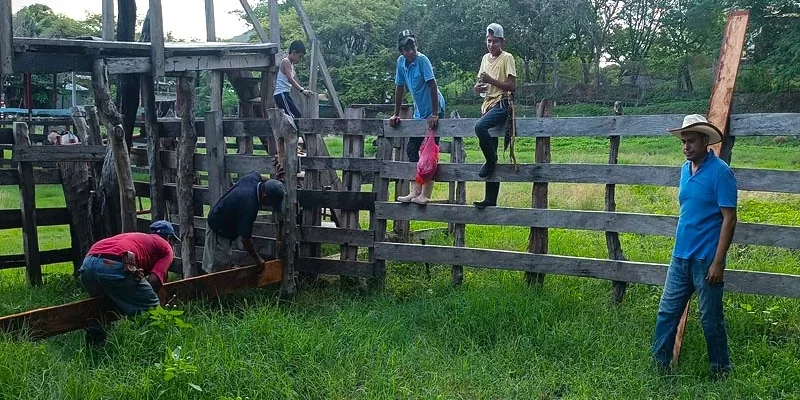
[(497, 79)]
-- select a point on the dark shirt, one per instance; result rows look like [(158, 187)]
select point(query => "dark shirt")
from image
[(235, 212)]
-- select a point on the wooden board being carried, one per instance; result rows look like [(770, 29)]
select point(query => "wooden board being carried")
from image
[(46, 322)]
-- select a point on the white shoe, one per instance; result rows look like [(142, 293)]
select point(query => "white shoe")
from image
[(414, 193), (425, 196)]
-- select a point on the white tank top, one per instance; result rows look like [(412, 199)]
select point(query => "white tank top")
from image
[(282, 84)]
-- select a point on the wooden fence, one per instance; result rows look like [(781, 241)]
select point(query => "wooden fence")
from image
[(221, 167)]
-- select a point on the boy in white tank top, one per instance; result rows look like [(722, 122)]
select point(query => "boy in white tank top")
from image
[(288, 79)]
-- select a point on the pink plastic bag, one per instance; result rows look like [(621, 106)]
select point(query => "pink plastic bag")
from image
[(428, 158)]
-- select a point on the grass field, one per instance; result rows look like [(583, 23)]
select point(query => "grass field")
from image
[(493, 338)]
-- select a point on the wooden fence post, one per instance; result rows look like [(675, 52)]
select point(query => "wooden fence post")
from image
[(158, 207), (402, 228), (353, 148), (6, 45), (380, 186), (537, 241), (612, 238), (285, 132), (186, 175), (116, 140), (215, 149), (27, 196), (77, 183), (457, 157)]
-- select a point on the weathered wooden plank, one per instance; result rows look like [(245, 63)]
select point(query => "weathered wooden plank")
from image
[(340, 200), (156, 38), (287, 147), (620, 174), (350, 237), (217, 176), (77, 187), (158, 206), (201, 193), (46, 257), (380, 187), (766, 124), (186, 175), (459, 230), (51, 321), (646, 224), (211, 26), (343, 164), (357, 269), (141, 49), (40, 176), (763, 283), (108, 19), (11, 219), (245, 163), (177, 64), (58, 153), (6, 50), (538, 239), (27, 195), (254, 20), (333, 126)]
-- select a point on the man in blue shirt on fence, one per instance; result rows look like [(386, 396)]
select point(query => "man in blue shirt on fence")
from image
[(414, 71), (707, 196)]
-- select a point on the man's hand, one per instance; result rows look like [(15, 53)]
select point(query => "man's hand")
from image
[(433, 121), (394, 121), (486, 78), (307, 92), (715, 272)]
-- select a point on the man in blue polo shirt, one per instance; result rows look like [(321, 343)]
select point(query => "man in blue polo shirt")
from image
[(414, 71), (233, 216), (707, 196)]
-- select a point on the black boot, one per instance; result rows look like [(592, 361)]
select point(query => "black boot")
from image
[(489, 150), (95, 334), (490, 199)]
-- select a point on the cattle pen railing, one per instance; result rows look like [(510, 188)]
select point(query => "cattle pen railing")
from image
[(363, 215)]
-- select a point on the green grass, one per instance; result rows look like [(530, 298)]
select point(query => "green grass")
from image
[(493, 337)]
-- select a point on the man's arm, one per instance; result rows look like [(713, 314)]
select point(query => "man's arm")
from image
[(433, 120), (399, 91), (286, 68), (247, 241), (715, 271)]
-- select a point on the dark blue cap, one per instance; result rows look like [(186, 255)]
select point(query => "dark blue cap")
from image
[(275, 193), (164, 228)]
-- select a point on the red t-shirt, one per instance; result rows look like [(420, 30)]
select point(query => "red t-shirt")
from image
[(153, 253)]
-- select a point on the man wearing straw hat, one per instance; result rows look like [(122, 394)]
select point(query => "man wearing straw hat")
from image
[(707, 195)]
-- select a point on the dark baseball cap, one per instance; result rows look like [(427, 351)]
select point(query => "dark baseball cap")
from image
[(275, 191), (164, 228), (404, 37)]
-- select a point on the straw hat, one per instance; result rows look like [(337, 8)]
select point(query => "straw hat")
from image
[(698, 123)]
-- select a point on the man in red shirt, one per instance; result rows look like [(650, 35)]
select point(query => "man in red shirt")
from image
[(129, 268)]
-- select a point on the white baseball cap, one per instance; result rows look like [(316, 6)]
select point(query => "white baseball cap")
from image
[(495, 29)]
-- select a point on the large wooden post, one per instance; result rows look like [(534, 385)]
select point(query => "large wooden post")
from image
[(157, 204), (6, 50), (457, 157), (215, 149), (537, 241), (380, 186), (116, 138), (76, 180), (283, 129), (108, 19), (612, 238), (27, 196), (274, 23), (156, 38), (186, 174), (402, 228), (211, 26), (353, 148)]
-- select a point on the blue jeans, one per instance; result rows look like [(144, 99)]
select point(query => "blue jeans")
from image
[(684, 277), (497, 115), (103, 277)]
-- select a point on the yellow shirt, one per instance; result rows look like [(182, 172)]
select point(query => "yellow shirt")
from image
[(498, 68)]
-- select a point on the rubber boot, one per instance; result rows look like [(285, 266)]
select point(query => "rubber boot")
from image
[(415, 191), (490, 199), (425, 196)]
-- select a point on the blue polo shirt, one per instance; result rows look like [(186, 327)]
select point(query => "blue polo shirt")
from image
[(701, 196), (235, 212), (415, 78)]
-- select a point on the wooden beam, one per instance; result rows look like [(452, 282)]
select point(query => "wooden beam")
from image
[(538, 239), (11, 219), (156, 38), (39, 154), (158, 207), (51, 321), (177, 64), (186, 175), (211, 26), (274, 23), (108, 19), (254, 20), (314, 66), (763, 283), (6, 34), (733, 39), (27, 195), (215, 102), (457, 156), (348, 268), (326, 75), (338, 200), (217, 175), (613, 244), (287, 145), (46, 257)]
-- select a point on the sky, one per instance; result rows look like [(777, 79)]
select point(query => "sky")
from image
[(184, 18)]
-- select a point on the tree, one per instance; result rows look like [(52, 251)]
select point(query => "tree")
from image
[(39, 20), (598, 18), (642, 22)]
